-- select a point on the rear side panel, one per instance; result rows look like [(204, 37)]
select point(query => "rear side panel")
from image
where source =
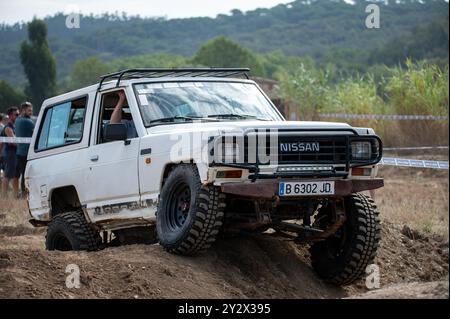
[(60, 166)]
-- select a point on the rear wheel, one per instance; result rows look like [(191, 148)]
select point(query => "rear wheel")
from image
[(70, 231), (189, 214), (341, 259)]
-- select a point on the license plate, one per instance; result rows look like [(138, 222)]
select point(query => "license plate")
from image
[(306, 188)]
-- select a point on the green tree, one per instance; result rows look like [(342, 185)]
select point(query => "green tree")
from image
[(224, 53), (38, 63), (9, 96), (277, 62), (87, 72)]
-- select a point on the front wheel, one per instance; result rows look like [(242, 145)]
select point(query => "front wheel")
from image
[(342, 258), (189, 214)]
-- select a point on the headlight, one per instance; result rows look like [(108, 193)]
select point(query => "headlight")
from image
[(361, 150)]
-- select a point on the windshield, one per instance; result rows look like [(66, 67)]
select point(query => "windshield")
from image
[(209, 101)]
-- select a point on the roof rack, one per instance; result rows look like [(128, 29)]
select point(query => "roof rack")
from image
[(174, 72)]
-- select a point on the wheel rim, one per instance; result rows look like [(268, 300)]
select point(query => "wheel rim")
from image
[(60, 242), (335, 244), (179, 206)]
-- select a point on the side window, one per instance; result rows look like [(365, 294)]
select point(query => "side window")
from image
[(63, 124), (109, 102)]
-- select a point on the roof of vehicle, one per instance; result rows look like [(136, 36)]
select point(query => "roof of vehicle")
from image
[(125, 77)]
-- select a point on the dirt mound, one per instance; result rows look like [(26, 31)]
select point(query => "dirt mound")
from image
[(254, 267), (407, 256), (261, 266)]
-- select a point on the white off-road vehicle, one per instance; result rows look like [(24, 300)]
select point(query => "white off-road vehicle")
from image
[(208, 153)]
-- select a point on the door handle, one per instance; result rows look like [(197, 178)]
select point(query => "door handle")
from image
[(94, 158)]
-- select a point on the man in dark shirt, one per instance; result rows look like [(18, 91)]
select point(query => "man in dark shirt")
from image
[(24, 128), (9, 154)]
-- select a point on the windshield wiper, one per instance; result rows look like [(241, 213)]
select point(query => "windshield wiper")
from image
[(231, 115), (174, 118), (239, 116)]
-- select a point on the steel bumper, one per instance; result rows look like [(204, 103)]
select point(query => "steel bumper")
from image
[(269, 188)]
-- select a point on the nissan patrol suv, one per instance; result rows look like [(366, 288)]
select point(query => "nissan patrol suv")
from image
[(180, 155)]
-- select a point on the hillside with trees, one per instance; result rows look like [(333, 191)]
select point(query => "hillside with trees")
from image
[(329, 31)]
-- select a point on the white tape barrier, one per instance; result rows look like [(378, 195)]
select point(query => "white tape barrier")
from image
[(17, 140), (385, 117), (405, 162), (418, 148)]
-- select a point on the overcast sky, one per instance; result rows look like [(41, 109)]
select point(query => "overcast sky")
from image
[(12, 11)]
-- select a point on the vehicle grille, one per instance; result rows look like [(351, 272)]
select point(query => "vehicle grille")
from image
[(332, 150)]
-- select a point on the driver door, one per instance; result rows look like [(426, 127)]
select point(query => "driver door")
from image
[(112, 182)]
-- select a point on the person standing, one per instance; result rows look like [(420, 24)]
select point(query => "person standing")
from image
[(24, 128), (2, 126), (9, 154)]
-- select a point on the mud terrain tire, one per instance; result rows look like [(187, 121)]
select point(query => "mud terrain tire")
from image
[(70, 231), (189, 214), (343, 258)]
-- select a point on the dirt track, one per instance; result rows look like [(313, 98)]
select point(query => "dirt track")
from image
[(413, 264), (247, 267)]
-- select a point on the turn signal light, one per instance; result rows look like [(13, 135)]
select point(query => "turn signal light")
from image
[(359, 171), (229, 174)]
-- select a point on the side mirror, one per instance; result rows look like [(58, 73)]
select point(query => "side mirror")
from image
[(115, 132)]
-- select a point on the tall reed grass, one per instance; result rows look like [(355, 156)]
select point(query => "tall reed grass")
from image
[(417, 89)]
